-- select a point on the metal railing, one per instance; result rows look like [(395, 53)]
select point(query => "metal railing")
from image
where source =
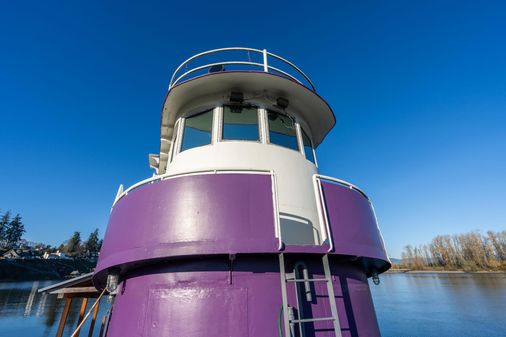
[(320, 201), (342, 183), (178, 78), (319, 197), (274, 188)]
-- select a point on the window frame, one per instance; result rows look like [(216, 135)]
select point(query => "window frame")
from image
[(174, 147), (221, 125), (217, 127), (302, 130), (268, 132), (182, 125)]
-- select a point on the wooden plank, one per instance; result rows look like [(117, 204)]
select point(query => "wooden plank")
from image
[(80, 295), (92, 324), (75, 290), (64, 315), (81, 314), (102, 326)]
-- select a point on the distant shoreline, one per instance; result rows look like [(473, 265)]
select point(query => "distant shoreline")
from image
[(40, 269)]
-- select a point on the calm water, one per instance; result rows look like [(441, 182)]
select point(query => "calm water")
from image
[(414, 305), (433, 305), (26, 313)]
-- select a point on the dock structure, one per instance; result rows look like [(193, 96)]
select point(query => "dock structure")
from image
[(77, 289), (237, 233)]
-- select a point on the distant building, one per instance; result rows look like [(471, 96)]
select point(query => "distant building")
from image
[(20, 254), (10, 254), (55, 256)]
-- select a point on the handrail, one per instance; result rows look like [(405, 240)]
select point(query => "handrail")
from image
[(167, 176), (321, 210), (275, 202), (317, 178), (274, 188), (320, 202), (265, 65), (234, 62), (343, 183)]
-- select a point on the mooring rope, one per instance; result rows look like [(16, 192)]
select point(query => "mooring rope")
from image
[(88, 314)]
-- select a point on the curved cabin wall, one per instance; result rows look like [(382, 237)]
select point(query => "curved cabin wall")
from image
[(253, 138), (221, 214), (202, 297)]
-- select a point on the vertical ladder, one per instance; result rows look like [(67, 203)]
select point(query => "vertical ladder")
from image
[(288, 316)]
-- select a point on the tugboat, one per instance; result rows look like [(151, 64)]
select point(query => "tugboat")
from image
[(237, 233)]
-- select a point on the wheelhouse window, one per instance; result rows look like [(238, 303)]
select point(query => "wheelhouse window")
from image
[(308, 147), (197, 130), (240, 123), (282, 130)]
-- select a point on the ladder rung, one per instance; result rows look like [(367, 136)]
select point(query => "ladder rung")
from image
[(305, 320), (308, 280)]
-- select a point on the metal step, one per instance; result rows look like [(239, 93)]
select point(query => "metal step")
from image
[(308, 280), (317, 319), (288, 315)]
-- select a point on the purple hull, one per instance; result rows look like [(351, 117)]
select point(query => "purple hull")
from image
[(203, 299), (172, 240)]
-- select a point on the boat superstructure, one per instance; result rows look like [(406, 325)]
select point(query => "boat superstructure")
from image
[(237, 233)]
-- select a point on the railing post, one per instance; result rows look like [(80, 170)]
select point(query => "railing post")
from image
[(266, 67), (102, 326), (321, 209), (93, 318), (84, 302), (275, 204), (64, 315)]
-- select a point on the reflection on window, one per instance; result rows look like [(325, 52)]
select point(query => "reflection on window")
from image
[(240, 123), (308, 148), (282, 130), (197, 130)]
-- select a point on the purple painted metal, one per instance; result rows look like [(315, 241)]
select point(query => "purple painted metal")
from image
[(172, 240), (195, 299), (225, 214), (191, 215), (353, 225)]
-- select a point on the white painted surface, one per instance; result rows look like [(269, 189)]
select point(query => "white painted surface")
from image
[(293, 172)]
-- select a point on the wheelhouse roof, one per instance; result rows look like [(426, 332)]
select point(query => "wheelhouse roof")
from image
[(213, 89)]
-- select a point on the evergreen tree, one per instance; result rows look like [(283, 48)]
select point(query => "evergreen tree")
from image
[(4, 224), (73, 246), (14, 231), (92, 245)]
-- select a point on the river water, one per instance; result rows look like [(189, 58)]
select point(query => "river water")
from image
[(433, 305), (407, 305)]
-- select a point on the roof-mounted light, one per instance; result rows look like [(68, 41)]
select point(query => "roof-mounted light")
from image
[(282, 103), (236, 97)]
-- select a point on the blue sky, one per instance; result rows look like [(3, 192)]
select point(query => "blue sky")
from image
[(418, 88)]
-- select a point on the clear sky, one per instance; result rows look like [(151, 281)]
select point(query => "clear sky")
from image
[(418, 88)]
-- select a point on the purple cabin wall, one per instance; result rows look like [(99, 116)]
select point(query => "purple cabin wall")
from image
[(222, 214), (171, 239)]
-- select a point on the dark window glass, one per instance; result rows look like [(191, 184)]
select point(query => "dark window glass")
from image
[(282, 130), (240, 123), (308, 148), (197, 130)]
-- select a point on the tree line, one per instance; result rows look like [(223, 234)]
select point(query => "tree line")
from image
[(11, 230), (75, 247), (472, 251)]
